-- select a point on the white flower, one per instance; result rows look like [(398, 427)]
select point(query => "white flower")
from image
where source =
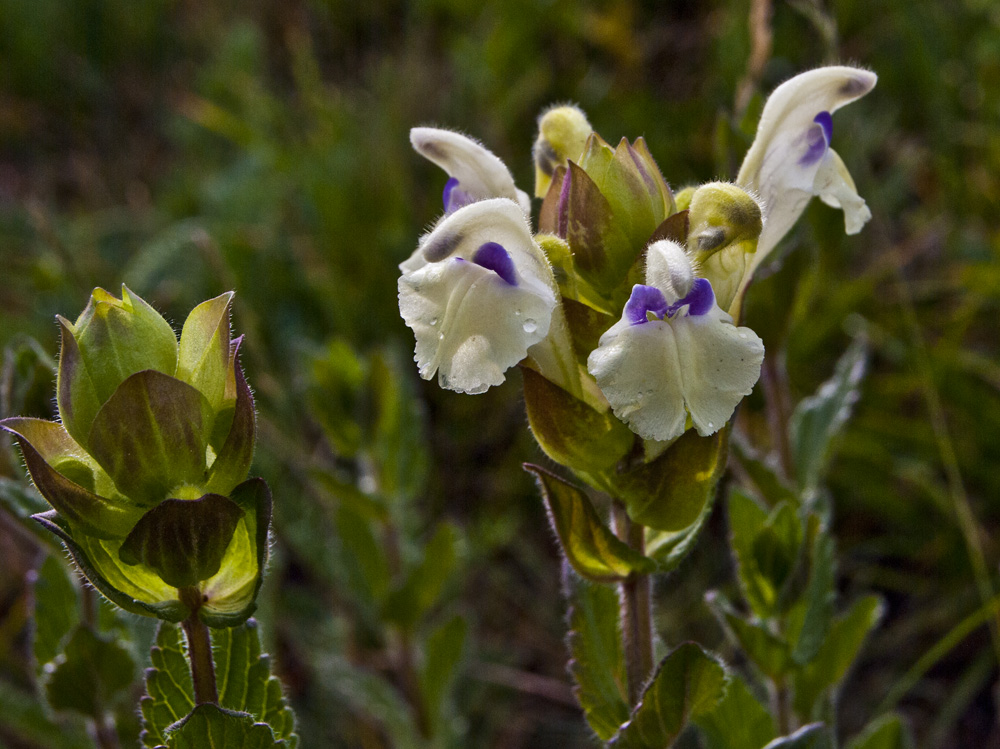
[(790, 160), (675, 354), (477, 293), (474, 172)]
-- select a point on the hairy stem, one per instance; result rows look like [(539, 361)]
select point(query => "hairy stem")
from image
[(636, 610), (199, 651)]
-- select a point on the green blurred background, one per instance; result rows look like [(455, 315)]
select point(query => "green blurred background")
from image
[(188, 148)]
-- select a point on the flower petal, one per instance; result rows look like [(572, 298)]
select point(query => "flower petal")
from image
[(792, 142), (720, 364), (638, 369), (480, 174), (472, 325), (835, 187)]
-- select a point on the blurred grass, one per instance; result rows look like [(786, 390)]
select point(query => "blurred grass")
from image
[(189, 148)]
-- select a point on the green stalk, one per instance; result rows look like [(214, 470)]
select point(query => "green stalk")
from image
[(199, 651), (636, 610)]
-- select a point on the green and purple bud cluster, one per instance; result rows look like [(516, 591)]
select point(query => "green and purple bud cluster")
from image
[(147, 471)]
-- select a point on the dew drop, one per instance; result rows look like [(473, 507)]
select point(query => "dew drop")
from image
[(517, 313), (530, 326), (743, 335), (711, 425), (440, 336), (434, 321)]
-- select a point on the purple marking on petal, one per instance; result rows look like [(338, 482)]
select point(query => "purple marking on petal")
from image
[(824, 119), (699, 300), (453, 197), (493, 256), (816, 145), (562, 209), (645, 299)]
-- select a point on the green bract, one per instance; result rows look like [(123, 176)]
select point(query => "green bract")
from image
[(147, 473)]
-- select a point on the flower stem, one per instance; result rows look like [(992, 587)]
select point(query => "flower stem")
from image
[(199, 651), (636, 610)]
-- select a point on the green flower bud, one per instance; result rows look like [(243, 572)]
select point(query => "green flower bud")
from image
[(562, 135), (146, 474), (683, 197), (609, 207), (725, 222)]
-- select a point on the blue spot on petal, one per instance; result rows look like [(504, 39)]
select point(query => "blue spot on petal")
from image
[(454, 197), (645, 299), (826, 121), (699, 300), (493, 256)]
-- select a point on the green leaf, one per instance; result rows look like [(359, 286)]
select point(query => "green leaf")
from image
[(687, 684), (888, 732), (362, 558), (399, 440), (746, 521), (590, 547), (766, 650), (838, 652), (423, 586), (151, 435), (671, 492), (669, 548), (443, 651), (818, 418), (244, 679), (813, 736), (245, 683), (203, 353), (597, 662), (169, 691), (25, 717), (211, 727), (739, 721), (89, 673), (56, 608), (766, 482), (819, 596), (183, 540), (776, 550)]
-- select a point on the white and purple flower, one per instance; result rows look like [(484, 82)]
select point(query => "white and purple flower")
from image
[(790, 160), (477, 293), (675, 359)]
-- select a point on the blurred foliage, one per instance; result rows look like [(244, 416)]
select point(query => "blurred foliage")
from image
[(189, 148)]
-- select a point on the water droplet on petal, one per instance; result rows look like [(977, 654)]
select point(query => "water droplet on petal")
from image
[(434, 321), (530, 326), (711, 425), (440, 336), (743, 335)]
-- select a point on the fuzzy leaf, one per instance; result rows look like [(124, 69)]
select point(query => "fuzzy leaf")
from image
[(687, 684), (233, 461), (767, 651), (89, 673), (443, 651), (209, 726), (203, 353), (423, 586), (590, 547), (169, 691), (56, 608), (597, 662), (818, 418), (739, 721)]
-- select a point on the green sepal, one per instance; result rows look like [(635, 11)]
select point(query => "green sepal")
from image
[(231, 595), (590, 547), (571, 432), (119, 337), (166, 607), (151, 435), (203, 352), (76, 394), (687, 684), (183, 540), (602, 251), (209, 725), (651, 173), (597, 661), (548, 214), (669, 548), (232, 464), (571, 286), (46, 448), (89, 673), (671, 492)]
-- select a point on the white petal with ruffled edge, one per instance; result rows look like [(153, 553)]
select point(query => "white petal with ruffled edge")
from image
[(480, 173), (774, 168), (835, 187), (471, 324)]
